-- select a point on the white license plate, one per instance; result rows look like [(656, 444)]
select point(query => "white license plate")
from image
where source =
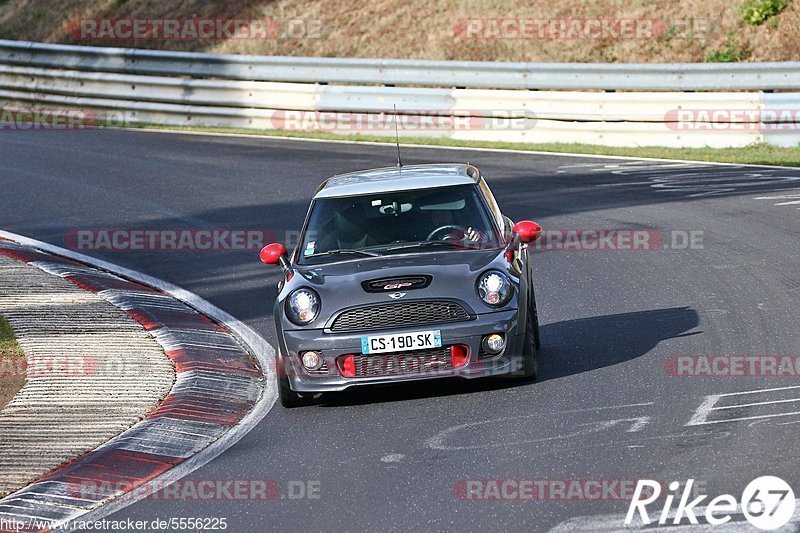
[(401, 342)]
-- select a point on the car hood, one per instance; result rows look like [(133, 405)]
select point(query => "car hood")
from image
[(453, 276)]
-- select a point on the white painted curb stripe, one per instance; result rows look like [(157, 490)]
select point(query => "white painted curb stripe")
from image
[(263, 352)]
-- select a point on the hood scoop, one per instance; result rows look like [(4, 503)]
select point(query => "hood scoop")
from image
[(397, 283)]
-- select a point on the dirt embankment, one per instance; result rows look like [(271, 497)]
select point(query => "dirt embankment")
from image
[(502, 30)]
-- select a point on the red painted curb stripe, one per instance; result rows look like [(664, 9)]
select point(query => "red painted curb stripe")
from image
[(95, 284), (128, 469), (27, 256), (153, 318)]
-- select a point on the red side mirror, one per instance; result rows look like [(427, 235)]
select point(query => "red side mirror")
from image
[(527, 231), (271, 254)]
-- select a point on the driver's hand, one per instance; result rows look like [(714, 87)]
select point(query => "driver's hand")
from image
[(472, 234)]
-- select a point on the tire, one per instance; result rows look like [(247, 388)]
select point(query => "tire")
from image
[(537, 340), (530, 362), (289, 398)]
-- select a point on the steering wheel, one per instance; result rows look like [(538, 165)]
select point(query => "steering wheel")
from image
[(449, 228)]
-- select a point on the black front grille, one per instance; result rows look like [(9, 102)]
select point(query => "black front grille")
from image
[(397, 284), (417, 362), (399, 315)]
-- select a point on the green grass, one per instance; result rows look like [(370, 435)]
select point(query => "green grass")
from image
[(755, 154), (8, 344), (729, 53), (755, 12), (10, 379)]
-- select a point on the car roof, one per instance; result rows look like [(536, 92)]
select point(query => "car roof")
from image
[(393, 179)]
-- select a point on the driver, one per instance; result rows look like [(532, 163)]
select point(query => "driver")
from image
[(440, 218), (350, 228)]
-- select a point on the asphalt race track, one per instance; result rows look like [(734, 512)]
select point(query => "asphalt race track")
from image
[(396, 458)]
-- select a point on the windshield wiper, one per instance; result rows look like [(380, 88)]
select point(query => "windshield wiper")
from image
[(424, 244), (345, 252)]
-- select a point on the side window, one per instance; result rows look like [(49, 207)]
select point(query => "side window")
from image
[(498, 216)]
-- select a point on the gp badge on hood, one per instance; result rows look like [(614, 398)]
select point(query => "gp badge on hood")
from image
[(397, 283)]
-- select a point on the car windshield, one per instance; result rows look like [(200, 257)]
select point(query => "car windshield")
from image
[(384, 223)]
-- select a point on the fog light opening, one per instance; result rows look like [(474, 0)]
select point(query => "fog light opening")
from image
[(459, 354), (493, 343), (311, 360), (347, 365)]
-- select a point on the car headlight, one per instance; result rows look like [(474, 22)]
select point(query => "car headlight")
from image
[(302, 306), (494, 288)]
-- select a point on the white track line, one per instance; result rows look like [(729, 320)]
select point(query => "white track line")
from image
[(700, 416), (756, 391), (260, 348), (777, 197), (737, 406), (759, 417)]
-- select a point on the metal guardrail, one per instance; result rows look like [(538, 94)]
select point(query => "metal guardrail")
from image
[(556, 105), (468, 74), (122, 86)]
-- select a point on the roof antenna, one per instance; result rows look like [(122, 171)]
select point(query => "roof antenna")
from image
[(397, 139)]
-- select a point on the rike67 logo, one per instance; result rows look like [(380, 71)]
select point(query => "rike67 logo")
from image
[(767, 503)]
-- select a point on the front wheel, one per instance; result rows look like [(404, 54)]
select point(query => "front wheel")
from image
[(290, 398), (537, 340), (530, 362)]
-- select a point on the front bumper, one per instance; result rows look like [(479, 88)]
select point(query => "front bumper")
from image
[(334, 345)]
